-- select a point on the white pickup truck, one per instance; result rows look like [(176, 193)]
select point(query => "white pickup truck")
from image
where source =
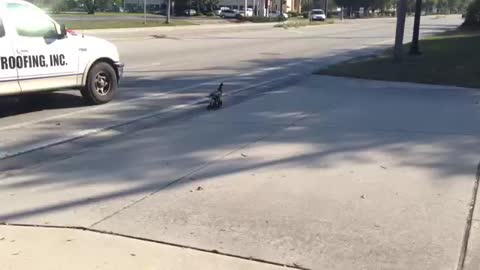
[(37, 54)]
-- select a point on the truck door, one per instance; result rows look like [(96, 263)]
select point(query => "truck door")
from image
[(45, 60), (8, 71)]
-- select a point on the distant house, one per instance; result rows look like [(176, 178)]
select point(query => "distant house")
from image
[(264, 6), (137, 5), (259, 6)]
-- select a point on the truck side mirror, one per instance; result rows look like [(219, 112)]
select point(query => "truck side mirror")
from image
[(54, 33), (63, 31)]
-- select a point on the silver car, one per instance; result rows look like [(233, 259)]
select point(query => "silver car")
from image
[(317, 15)]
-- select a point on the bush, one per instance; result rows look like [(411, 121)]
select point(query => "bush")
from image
[(472, 17), (59, 8), (292, 14), (210, 14), (62, 6), (261, 19)]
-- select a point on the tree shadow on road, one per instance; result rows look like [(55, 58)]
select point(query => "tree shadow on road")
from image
[(11, 106)]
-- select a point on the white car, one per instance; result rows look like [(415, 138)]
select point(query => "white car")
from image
[(190, 12), (249, 12), (38, 54), (317, 15)]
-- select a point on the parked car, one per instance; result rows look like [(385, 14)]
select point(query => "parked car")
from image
[(317, 15), (219, 11), (249, 12), (190, 12), (230, 14), (159, 12)]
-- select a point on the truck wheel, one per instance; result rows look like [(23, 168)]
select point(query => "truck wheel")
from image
[(102, 84)]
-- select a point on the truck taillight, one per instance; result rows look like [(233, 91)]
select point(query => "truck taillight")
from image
[(71, 32)]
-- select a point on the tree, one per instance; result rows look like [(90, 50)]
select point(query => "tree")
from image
[(414, 47), (473, 14), (169, 10), (307, 4), (348, 4), (181, 5), (429, 5), (211, 4), (401, 14), (103, 5), (64, 5), (90, 6)]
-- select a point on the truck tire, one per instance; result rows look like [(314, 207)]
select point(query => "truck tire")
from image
[(102, 84)]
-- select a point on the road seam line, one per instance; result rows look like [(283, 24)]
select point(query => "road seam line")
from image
[(468, 226), (216, 252)]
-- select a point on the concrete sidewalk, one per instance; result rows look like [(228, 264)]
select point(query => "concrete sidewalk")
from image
[(332, 173), (26, 248)]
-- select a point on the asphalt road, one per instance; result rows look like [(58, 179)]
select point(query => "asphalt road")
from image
[(169, 68)]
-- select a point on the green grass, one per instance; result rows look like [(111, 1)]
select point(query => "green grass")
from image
[(301, 23), (450, 59), (84, 25), (298, 19)]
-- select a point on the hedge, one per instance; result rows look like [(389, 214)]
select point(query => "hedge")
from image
[(472, 17)]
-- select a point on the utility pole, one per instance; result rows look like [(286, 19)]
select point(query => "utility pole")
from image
[(169, 8), (401, 16), (415, 48), (245, 8), (144, 11), (326, 8)]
